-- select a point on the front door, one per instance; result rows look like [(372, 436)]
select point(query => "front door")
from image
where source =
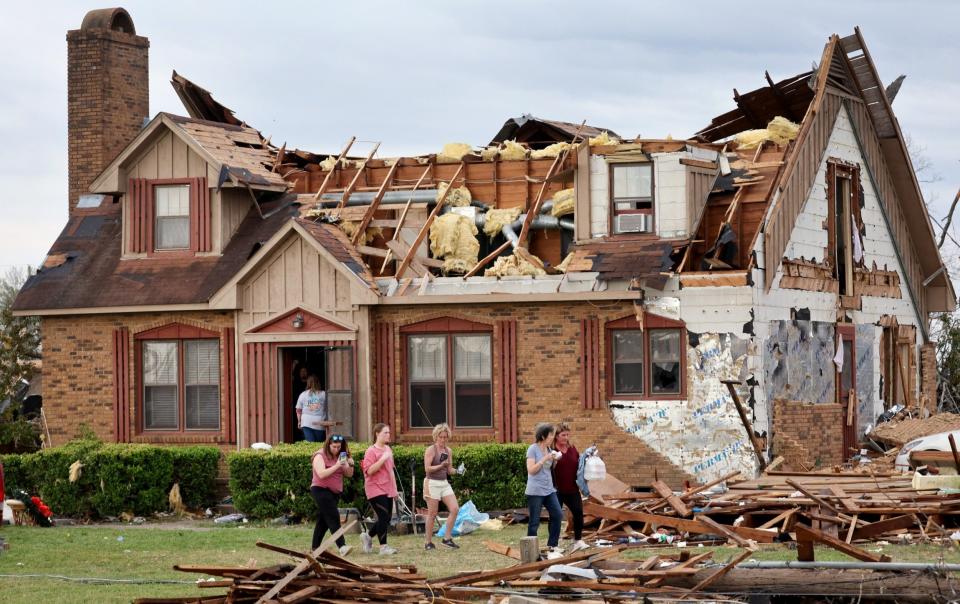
[(847, 387), (338, 362)]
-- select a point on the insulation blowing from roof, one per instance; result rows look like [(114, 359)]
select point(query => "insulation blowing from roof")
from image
[(780, 131), (564, 203), (457, 198), (453, 152), (513, 265), (496, 219), (453, 237)]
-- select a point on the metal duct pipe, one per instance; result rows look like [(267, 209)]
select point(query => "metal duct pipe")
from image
[(923, 566), (362, 198)]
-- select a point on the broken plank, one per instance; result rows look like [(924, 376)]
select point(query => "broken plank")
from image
[(815, 498), (720, 573), (885, 526), (721, 529), (518, 569), (810, 534), (502, 548), (305, 564), (690, 526), (667, 493)]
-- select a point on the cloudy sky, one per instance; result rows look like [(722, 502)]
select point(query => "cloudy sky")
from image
[(415, 75)]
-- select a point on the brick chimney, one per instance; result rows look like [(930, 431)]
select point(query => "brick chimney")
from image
[(107, 93)]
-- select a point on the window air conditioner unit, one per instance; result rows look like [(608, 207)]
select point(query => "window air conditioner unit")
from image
[(634, 223)]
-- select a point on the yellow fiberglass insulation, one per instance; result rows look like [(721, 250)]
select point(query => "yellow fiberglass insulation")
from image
[(349, 228), (513, 265), (552, 151), (497, 219), (489, 153), (513, 150), (453, 152), (780, 131), (457, 198), (454, 238), (562, 267), (563, 203), (603, 138)]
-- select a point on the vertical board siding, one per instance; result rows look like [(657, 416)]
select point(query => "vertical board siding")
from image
[(886, 192), (261, 393), (506, 387), (386, 361), (121, 385), (229, 383), (797, 182), (590, 390)]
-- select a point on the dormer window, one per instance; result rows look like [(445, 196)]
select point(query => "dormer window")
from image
[(631, 197), (172, 211)]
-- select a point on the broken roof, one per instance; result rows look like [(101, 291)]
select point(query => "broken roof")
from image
[(538, 132), (200, 104)]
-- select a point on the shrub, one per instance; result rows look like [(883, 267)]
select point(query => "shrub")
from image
[(267, 484), (115, 478)]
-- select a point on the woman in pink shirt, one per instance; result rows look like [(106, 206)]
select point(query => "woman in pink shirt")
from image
[(380, 486), (330, 464)]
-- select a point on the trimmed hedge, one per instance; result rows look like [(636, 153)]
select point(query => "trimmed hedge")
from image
[(115, 478), (268, 484)]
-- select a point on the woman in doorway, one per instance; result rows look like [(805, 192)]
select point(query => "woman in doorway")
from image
[(312, 414), (380, 486), (540, 491), (330, 464), (438, 464), (565, 479)]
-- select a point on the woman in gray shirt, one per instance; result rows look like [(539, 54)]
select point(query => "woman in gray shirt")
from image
[(540, 490)]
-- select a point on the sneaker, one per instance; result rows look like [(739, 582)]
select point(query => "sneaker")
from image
[(366, 543), (450, 543), (386, 550), (429, 546), (579, 545), (345, 549), (553, 553)]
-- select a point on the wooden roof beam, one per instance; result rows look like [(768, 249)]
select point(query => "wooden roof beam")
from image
[(374, 204), (781, 99), (356, 178), (748, 113), (426, 225), (336, 166)]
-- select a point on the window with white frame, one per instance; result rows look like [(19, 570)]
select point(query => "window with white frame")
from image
[(181, 385), (172, 212), (450, 380), (631, 196)]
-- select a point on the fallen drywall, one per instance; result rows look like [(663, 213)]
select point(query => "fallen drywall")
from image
[(702, 435)]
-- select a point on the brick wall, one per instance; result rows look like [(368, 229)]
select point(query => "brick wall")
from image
[(548, 381), (107, 100), (928, 376), (78, 370), (807, 435)]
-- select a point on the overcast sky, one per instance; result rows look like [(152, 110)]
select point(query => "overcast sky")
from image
[(415, 75)]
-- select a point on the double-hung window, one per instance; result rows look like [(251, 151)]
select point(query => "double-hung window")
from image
[(172, 215), (181, 384), (631, 197), (645, 361), (449, 378)]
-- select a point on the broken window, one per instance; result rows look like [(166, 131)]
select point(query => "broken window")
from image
[(646, 362), (631, 197), (450, 380), (172, 217), (845, 247), (181, 385)]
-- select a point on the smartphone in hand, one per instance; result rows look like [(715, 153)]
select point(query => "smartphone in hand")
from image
[(443, 457)]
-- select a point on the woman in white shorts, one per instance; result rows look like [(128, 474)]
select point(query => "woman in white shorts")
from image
[(438, 464)]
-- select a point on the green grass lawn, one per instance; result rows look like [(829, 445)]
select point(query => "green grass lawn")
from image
[(149, 553)]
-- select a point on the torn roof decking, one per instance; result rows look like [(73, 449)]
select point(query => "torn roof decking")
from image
[(538, 133), (200, 104)]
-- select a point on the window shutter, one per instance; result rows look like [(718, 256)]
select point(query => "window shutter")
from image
[(201, 239), (590, 389), (121, 385), (386, 362), (229, 381), (506, 387), (140, 215)]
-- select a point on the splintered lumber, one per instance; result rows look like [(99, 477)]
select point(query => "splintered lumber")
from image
[(757, 449), (681, 524), (353, 183), (885, 526), (707, 582), (426, 225), (299, 568), (374, 204), (810, 535), (519, 569), (502, 548), (329, 177), (403, 216), (723, 530), (667, 493), (806, 491)]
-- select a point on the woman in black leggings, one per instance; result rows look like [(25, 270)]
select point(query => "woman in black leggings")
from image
[(565, 479), (330, 464), (380, 486)]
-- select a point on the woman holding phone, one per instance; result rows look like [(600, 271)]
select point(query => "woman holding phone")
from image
[(540, 491), (330, 464), (438, 464)]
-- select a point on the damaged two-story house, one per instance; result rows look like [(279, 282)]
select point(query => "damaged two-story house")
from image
[(559, 273)]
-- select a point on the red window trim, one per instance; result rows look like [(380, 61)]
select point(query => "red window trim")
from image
[(613, 212), (449, 327), (179, 333), (650, 321), (142, 216)]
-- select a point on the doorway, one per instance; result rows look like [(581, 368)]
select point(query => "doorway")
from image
[(847, 387), (333, 366)]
